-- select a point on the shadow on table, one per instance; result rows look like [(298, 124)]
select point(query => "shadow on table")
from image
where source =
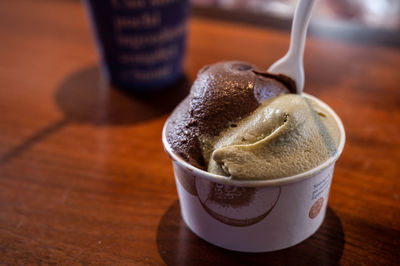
[(177, 245), (84, 97)]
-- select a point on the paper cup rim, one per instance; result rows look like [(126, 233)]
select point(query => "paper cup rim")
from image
[(262, 183)]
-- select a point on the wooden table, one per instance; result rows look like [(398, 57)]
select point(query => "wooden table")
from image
[(84, 178)]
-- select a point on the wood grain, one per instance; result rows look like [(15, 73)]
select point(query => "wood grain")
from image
[(86, 181)]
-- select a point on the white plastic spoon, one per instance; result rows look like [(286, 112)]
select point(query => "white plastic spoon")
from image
[(291, 64)]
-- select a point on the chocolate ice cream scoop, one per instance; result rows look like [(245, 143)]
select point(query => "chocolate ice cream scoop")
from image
[(222, 94)]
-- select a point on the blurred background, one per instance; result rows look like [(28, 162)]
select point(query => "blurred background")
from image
[(372, 13), (360, 20)]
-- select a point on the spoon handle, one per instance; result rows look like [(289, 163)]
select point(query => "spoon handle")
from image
[(291, 64), (300, 22)]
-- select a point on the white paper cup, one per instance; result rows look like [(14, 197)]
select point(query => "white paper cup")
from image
[(254, 216)]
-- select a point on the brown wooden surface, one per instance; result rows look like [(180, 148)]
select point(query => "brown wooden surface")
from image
[(83, 175)]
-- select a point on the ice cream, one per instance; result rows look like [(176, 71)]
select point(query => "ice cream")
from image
[(222, 94), (285, 136), (245, 124), (270, 158)]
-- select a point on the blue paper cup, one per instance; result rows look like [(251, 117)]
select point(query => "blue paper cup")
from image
[(141, 43)]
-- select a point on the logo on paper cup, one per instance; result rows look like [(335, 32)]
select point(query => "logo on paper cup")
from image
[(316, 208), (236, 206), (227, 196)]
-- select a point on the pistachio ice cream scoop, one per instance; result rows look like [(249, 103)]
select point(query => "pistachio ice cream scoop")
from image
[(285, 136)]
